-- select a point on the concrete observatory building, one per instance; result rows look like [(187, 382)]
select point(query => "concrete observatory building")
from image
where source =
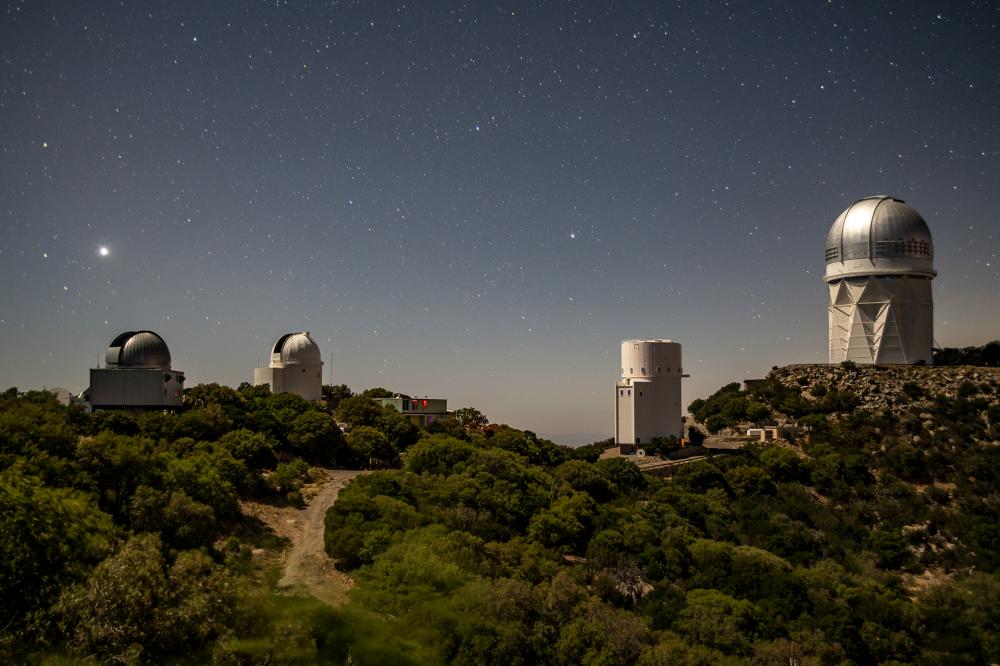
[(879, 267), (648, 395), (296, 367), (137, 375)]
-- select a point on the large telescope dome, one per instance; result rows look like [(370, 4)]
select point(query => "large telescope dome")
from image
[(879, 235), (138, 349), (879, 267)]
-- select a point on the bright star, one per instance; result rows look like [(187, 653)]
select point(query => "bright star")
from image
[(103, 251)]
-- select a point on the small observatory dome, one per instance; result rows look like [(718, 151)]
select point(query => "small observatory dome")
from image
[(138, 349), (295, 349), (296, 367), (879, 235)]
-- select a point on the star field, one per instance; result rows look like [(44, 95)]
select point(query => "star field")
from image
[(475, 200)]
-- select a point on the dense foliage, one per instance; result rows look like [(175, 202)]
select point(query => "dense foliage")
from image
[(120, 534), (870, 539), (874, 541)]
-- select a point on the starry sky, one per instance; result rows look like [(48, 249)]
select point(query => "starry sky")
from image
[(479, 200)]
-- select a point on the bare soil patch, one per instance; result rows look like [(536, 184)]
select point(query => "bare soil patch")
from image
[(308, 569)]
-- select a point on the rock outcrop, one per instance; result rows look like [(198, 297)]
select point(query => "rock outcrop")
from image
[(894, 388)]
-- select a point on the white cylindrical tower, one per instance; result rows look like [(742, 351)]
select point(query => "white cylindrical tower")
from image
[(648, 395), (879, 267)]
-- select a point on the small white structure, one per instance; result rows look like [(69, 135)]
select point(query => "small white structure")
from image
[(296, 367), (648, 395), (879, 267), (137, 375)]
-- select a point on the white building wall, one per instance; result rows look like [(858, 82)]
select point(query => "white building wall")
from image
[(648, 397), (136, 387), (881, 319), (266, 377), (624, 415), (305, 381)]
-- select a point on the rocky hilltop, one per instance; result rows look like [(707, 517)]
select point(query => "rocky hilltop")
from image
[(897, 389)]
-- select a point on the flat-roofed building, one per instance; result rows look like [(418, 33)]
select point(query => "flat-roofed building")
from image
[(420, 411)]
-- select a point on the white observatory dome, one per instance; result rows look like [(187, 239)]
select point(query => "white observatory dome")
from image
[(879, 235), (295, 349), (138, 349)]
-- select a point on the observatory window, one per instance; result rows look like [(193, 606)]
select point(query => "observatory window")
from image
[(832, 254), (635, 346), (631, 371), (658, 370), (899, 248), (642, 370), (640, 394), (621, 392)]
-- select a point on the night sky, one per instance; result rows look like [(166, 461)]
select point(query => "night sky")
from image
[(478, 201)]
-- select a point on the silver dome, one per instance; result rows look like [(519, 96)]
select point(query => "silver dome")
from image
[(295, 349), (138, 349), (879, 234)]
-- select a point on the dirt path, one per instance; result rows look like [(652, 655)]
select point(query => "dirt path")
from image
[(308, 569)]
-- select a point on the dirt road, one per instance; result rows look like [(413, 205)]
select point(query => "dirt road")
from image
[(308, 569)]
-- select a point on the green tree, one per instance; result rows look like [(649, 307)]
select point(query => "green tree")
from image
[(204, 395), (783, 464), (438, 454), (289, 476), (585, 477), (718, 621), (204, 423), (314, 435), (256, 449), (359, 410), (471, 418), (372, 446), (600, 634), (35, 426), (48, 538), (335, 394), (180, 521), (136, 606), (565, 523), (623, 475), (379, 392)]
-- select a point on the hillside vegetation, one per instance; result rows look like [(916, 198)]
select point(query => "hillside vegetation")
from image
[(872, 538), (122, 539)]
